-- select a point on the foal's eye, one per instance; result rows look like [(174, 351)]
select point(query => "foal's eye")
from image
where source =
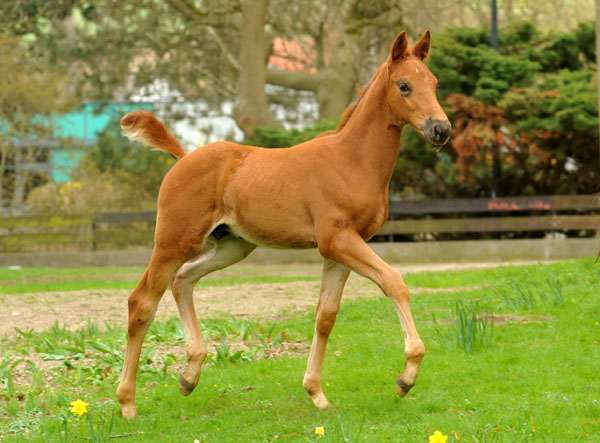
[(404, 88)]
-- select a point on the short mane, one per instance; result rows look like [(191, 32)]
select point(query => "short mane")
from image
[(349, 111)]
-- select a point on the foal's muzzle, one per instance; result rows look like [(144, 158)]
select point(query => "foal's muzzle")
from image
[(437, 132)]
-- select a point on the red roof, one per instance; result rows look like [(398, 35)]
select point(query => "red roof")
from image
[(290, 55)]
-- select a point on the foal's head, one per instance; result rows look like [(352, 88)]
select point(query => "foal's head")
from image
[(411, 90)]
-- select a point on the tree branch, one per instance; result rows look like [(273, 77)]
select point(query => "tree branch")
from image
[(199, 17), (294, 80), (230, 57)]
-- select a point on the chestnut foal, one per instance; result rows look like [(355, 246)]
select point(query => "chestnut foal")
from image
[(220, 201)]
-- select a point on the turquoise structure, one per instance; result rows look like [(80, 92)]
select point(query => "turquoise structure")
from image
[(83, 126)]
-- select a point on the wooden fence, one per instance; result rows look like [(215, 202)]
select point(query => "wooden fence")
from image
[(574, 215), (495, 215)]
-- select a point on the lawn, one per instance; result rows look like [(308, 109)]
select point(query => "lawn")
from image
[(512, 355)]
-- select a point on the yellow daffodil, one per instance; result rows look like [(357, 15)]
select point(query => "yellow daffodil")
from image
[(79, 407), (438, 437), (320, 431)]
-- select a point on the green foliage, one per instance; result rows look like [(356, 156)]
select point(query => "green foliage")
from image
[(556, 121), (573, 51), (561, 102), (283, 138), (133, 165), (517, 36), (498, 73), (464, 62), (585, 35)]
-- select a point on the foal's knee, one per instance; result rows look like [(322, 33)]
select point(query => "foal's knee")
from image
[(141, 312), (395, 288)]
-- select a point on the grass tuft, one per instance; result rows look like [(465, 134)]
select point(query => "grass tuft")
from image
[(523, 296), (471, 328)]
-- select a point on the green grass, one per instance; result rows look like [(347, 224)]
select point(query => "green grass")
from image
[(535, 380), (74, 279)]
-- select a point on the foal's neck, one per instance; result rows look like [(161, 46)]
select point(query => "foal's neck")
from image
[(372, 134)]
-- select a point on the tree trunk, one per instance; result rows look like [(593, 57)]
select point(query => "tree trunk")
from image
[(337, 89), (250, 108)]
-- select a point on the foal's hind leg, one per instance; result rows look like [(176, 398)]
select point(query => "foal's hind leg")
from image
[(142, 307), (332, 285), (217, 254)]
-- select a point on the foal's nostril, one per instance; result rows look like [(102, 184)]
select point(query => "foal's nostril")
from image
[(437, 132), (441, 131)]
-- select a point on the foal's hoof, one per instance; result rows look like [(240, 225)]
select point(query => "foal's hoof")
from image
[(129, 411), (185, 387), (320, 401), (402, 388)]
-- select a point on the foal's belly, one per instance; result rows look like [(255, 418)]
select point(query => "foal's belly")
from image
[(274, 233), (268, 219)]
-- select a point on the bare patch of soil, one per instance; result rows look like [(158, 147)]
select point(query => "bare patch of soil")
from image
[(39, 311), (514, 318)]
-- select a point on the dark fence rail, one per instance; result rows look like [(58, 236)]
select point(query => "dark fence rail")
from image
[(494, 215), (409, 221), (495, 205)]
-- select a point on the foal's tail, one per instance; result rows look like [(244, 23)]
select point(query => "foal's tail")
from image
[(144, 127)]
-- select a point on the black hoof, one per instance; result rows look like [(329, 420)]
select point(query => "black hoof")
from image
[(402, 388), (185, 386)]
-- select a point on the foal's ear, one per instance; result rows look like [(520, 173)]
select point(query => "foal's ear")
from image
[(399, 47), (421, 49)]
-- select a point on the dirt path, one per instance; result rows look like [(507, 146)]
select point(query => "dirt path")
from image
[(39, 311)]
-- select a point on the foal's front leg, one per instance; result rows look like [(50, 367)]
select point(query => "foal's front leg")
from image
[(349, 249), (332, 284)]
